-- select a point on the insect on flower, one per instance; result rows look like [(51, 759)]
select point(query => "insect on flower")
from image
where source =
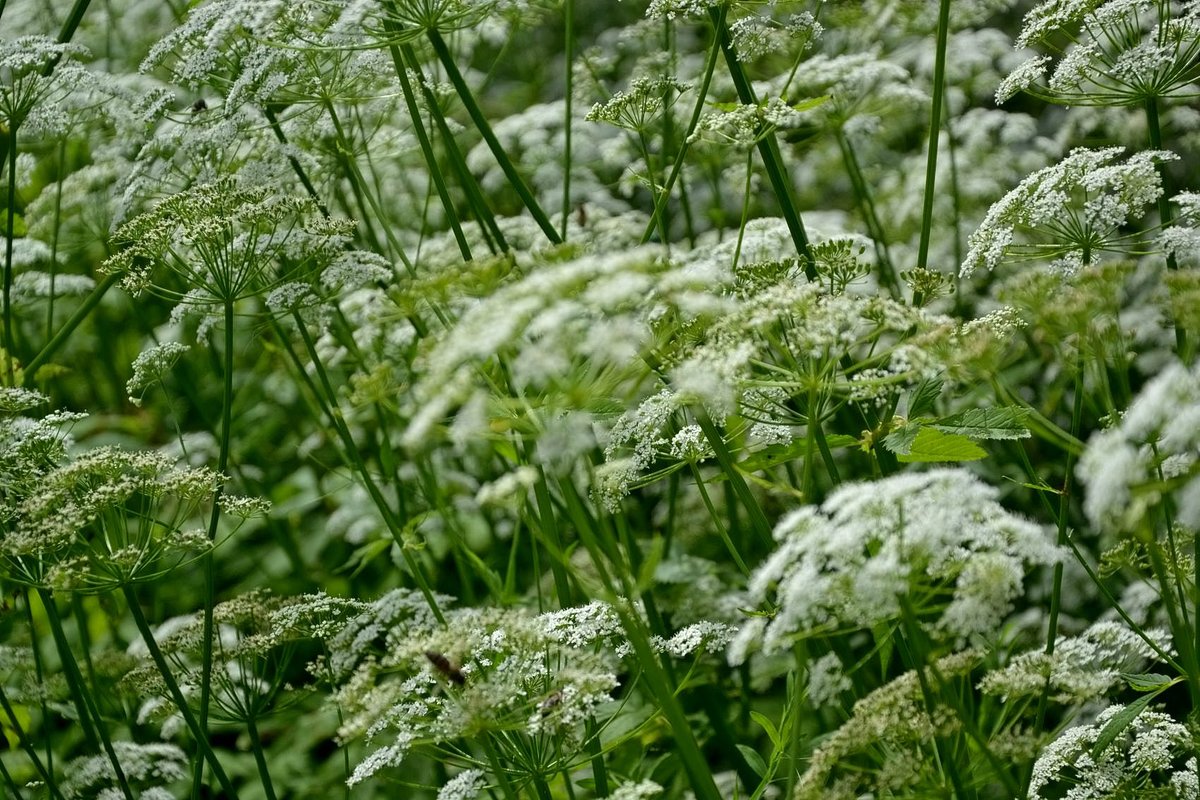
[(552, 700), (446, 667)]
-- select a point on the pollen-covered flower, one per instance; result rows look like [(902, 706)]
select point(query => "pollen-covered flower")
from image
[(873, 547)]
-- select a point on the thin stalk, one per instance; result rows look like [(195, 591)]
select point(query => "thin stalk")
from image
[(596, 751), (327, 398), (1064, 504), (758, 520), (414, 113), (935, 126), (39, 672), (737, 250), (866, 204), (260, 759), (26, 745), (660, 204), (10, 349), (1166, 218), (768, 148), (708, 504), (85, 704), (10, 785), (173, 689), (297, 167), (207, 562), (485, 129), (73, 322), (483, 213), (568, 109)]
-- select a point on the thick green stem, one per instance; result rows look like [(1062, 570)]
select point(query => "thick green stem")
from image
[(485, 130), (935, 127), (177, 697)]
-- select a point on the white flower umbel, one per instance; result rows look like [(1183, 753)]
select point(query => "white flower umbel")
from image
[(146, 767), (1150, 753), (1081, 668), (1127, 469), (871, 546), (1072, 211), (1110, 52)]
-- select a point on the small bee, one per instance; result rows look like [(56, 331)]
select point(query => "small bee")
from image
[(581, 215), (446, 667), (199, 106)]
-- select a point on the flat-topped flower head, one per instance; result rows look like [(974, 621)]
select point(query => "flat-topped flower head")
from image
[(639, 106), (874, 546), (1069, 213), (34, 97), (1152, 755), (1110, 52), (225, 242)]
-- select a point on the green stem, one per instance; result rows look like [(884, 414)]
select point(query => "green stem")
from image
[(64, 333), (712, 512), (327, 398), (568, 110), (177, 697), (485, 129), (10, 350), (935, 126), (26, 745), (768, 148), (296, 166), (208, 565), (758, 520), (414, 113), (1064, 504), (260, 758), (1165, 217), (660, 204), (866, 204), (737, 249), (85, 704), (58, 193)]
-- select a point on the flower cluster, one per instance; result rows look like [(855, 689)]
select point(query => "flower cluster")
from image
[(1152, 751), (875, 548), (1072, 211), (1152, 451)]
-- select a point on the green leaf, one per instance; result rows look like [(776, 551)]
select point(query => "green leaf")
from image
[(650, 558), (363, 556), (934, 446), (1148, 682), (900, 440), (767, 726), (922, 398), (1119, 722), (1005, 422), (753, 759)]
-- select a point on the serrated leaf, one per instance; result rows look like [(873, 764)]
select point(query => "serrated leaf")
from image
[(900, 440), (1119, 722), (753, 759), (933, 446), (767, 725), (1005, 422), (1148, 682), (922, 398)]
